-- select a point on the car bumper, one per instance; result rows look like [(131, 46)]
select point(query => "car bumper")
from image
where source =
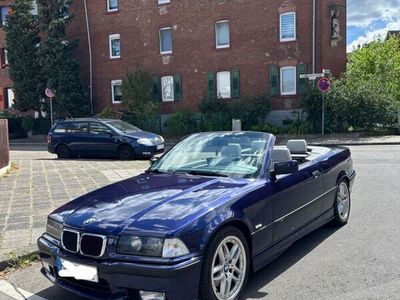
[(123, 280), (148, 151), (51, 148)]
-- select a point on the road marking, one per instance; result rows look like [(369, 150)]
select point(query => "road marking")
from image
[(16, 292)]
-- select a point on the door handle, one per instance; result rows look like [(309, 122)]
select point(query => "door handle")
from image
[(316, 174)]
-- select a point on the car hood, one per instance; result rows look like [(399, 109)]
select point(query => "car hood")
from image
[(152, 203), (141, 134)]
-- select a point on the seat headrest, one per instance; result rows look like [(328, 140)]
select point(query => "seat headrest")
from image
[(280, 154), (257, 145), (297, 146), (232, 150)]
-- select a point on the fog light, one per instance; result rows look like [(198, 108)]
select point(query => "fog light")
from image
[(145, 295)]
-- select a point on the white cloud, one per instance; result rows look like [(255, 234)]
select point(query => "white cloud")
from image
[(362, 13), (373, 35)]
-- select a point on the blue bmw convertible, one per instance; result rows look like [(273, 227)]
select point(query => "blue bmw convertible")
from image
[(194, 225)]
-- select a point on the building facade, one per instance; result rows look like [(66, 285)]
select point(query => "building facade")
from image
[(6, 92), (207, 48)]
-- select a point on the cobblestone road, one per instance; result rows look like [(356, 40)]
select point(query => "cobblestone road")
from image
[(41, 183)]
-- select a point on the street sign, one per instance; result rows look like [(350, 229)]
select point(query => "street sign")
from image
[(324, 84), (312, 76), (49, 93)]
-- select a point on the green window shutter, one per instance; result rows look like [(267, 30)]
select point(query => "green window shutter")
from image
[(301, 82), (235, 84), (211, 86), (274, 80), (177, 88), (156, 88)]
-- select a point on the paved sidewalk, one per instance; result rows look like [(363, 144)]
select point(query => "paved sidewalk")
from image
[(40, 184)]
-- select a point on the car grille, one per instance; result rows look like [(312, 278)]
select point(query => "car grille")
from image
[(88, 244)]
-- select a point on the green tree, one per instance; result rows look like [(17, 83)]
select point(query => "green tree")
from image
[(22, 40), (137, 93), (367, 95), (58, 65)]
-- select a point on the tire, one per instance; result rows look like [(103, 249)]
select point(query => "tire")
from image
[(125, 152), (63, 152), (342, 204), (227, 268)]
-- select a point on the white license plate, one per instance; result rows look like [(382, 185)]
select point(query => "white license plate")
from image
[(68, 268), (161, 146)]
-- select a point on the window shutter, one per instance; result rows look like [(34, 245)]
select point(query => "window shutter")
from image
[(211, 86), (156, 88), (301, 82), (177, 88), (274, 80), (235, 84)]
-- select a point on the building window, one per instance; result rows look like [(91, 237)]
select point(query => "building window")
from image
[(167, 88), (288, 81), (288, 27), (222, 34), (163, 1), (115, 46), (112, 5), (116, 91), (166, 40), (224, 84), (3, 14), (10, 97), (35, 9)]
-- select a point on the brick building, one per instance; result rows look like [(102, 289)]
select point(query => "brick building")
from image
[(208, 48)]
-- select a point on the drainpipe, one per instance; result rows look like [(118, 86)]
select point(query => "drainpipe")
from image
[(90, 59), (313, 36)]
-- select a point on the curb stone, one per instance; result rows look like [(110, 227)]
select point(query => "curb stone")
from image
[(6, 263)]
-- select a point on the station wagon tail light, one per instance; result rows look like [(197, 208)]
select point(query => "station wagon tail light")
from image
[(49, 139)]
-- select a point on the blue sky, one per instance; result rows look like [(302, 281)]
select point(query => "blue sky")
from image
[(370, 19)]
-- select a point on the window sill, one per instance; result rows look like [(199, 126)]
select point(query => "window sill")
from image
[(166, 53), (288, 40), (223, 47), (115, 57), (116, 102), (112, 12)]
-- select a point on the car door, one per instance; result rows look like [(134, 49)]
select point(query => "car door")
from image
[(297, 200), (102, 143), (78, 138)]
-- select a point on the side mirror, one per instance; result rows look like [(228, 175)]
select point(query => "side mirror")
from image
[(286, 167), (153, 160)]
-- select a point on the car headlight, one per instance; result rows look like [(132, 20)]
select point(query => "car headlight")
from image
[(151, 246), (54, 228), (146, 142)]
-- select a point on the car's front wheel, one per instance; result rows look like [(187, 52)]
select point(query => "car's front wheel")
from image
[(125, 152), (342, 204), (226, 266)]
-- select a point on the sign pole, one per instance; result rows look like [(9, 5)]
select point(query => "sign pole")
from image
[(51, 111), (323, 114)]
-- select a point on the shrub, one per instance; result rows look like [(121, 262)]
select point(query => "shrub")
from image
[(182, 123)]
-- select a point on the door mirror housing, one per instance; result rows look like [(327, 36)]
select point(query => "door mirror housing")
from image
[(286, 167)]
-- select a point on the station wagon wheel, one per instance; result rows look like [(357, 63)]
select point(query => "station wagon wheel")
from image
[(226, 266), (342, 203), (125, 152), (63, 152)]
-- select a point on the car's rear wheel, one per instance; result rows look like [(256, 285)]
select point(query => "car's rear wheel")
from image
[(125, 152), (226, 266), (342, 204), (63, 152)]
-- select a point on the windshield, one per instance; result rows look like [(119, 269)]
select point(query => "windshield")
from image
[(233, 154), (123, 126)]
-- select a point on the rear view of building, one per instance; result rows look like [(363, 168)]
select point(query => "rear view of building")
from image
[(209, 49)]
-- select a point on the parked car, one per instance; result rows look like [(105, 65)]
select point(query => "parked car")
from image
[(102, 138), (207, 212)]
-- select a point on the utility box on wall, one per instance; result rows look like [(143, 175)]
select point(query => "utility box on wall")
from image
[(4, 145)]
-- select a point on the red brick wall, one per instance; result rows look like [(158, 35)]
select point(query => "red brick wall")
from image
[(254, 30)]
